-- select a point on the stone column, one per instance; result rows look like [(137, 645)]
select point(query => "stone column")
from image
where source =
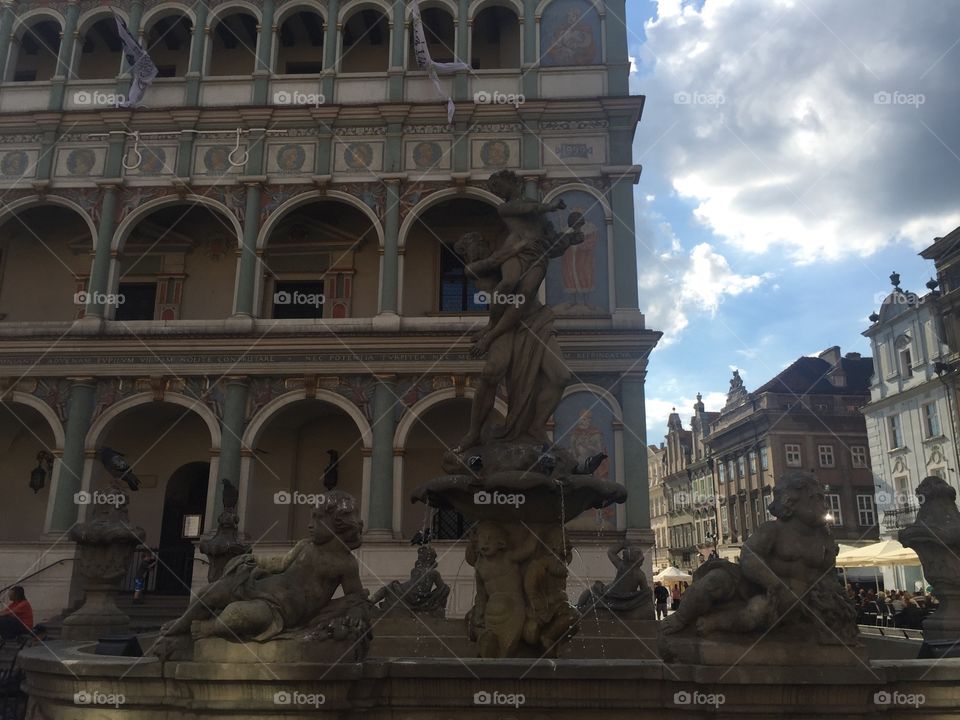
[(620, 196), (331, 34), (6, 31), (635, 450), (247, 275), (398, 50), (391, 230), (380, 521), (62, 510), (261, 73), (618, 59), (198, 43), (530, 59), (64, 57), (100, 272), (232, 426), (461, 82)]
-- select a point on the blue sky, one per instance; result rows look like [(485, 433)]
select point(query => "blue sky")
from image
[(794, 154)]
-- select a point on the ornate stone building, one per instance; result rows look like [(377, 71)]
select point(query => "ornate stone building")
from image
[(806, 418), (909, 418), (255, 266)]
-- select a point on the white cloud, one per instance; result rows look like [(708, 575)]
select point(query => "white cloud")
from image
[(790, 126), (659, 409)]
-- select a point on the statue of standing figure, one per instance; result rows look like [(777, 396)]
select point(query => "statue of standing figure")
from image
[(519, 340)]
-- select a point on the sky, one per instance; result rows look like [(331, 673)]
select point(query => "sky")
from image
[(794, 154)]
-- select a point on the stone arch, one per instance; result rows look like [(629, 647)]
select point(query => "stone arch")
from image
[(27, 23), (314, 196), (283, 14), (477, 8), (229, 8), (56, 426), (350, 10), (438, 197), (166, 10), (444, 6), (589, 189), (407, 422), (102, 12), (11, 208), (143, 211), (99, 426), (600, 392)]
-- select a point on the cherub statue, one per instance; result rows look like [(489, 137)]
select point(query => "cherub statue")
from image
[(424, 592), (497, 618), (785, 576), (259, 598), (628, 594), (550, 617)]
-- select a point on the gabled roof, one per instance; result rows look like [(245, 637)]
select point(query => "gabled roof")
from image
[(809, 376)]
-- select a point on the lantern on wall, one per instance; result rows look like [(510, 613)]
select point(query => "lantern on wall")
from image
[(38, 475)]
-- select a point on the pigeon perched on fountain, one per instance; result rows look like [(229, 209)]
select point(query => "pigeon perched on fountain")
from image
[(589, 464), (116, 464)]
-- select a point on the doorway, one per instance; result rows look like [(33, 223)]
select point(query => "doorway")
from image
[(185, 498)]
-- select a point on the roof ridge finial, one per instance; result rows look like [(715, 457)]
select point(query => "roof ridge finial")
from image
[(895, 279)]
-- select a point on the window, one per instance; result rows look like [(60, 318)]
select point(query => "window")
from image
[(931, 420), (724, 524), (792, 455), (457, 292), (764, 458), (826, 455), (752, 461), (906, 366), (858, 455), (832, 502), (740, 466), (731, 473), (895, 432), (139, 301), (757, 514), (866, 515), (722, 470), (733, 519)]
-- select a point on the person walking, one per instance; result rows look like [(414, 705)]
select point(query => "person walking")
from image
[(675, 595), (661, 596)]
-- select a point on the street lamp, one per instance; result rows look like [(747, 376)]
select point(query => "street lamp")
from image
[(38, 475)]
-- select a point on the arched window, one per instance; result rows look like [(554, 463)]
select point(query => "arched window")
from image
[(496, 39), (300, 45), (100, 52), (366, 42), (438, 29), (233, 45), (36, 54), (167, 39)]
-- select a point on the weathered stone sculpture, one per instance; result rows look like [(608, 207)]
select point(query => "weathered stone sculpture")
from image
[(226, 543), (628, 596), (286, 598), (424, 593), (782, 603), (105, 546), (935, 536), (510, 477)]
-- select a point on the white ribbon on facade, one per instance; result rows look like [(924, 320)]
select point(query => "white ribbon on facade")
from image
[(143, 70), (425, 62)]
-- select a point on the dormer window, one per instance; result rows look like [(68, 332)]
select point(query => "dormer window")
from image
[(906, 364)]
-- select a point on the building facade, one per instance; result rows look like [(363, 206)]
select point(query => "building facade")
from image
[(807, 418), (677, 491), (656, 465), (256, 265), (909, 427)]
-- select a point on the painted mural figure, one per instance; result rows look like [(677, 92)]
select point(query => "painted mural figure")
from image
[(578, 264), (571, 41)]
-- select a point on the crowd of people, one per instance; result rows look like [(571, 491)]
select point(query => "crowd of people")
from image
[(898, 608)]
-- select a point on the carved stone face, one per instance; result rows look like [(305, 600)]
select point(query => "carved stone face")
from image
[(809, 508), (338, 518), (490, 540)]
